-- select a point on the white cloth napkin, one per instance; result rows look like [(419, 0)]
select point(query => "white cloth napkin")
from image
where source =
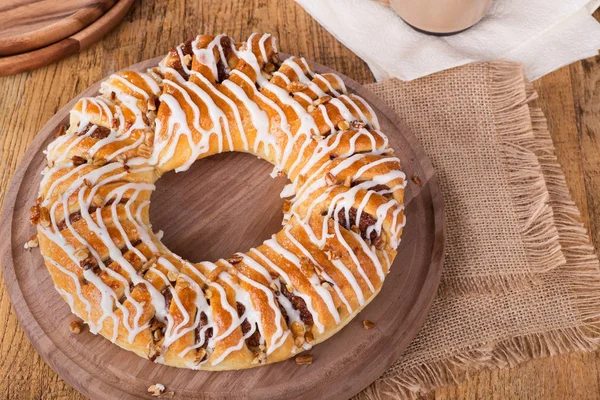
[(542, 34)]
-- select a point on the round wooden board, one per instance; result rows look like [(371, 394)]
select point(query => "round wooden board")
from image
[(223, 204), (35, 33)]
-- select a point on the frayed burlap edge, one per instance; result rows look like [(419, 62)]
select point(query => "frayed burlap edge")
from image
[(582, 261), (579, 267), (510, 94)]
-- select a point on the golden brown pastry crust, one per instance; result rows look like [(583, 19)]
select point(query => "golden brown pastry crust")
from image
[(341, 228)]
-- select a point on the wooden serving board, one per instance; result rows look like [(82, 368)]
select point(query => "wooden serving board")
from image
[(223, 204), (34, 33)]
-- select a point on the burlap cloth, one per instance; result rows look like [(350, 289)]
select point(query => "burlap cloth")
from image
[(520, 279)]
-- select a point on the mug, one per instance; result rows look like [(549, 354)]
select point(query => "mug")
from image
[(441, 17)]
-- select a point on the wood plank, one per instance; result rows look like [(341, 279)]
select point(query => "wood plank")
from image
[(28, 100)]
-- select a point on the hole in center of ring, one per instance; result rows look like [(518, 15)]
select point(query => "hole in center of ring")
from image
[(223, 204)]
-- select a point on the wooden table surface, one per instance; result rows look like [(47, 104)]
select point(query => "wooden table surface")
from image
[(570, 97)]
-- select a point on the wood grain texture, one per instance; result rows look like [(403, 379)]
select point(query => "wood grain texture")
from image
[(28, 101), (65, 37), (200, 228)]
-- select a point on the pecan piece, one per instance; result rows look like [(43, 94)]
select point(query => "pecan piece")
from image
[(31, 243), (234, 259), (368, 324), (330, 179), (34, 214), (75, 327), (343, 125), (296, 87), (304, 359), (156, 390)]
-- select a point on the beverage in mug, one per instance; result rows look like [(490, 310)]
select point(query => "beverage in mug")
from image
[(441, 17)]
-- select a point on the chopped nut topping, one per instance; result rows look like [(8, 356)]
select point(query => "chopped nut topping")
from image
[(275, 59), (44, 220), (156, 389), (274, 287), (208, 293), (311, 108), (147, 265), (31, 243), (331, 255), (157, 335), (113, 95), (327, 285), (88, 263), (318, 137), (61, 130), (75, 327), (368, 324), (172, 276), (348, 181), (151, 116), (153, 352), (416, 180), (98, 162), (187, 59), (200, 356), (82, 253), (309, 338), (78, 160), (157, 326), (234, 259), (358, 124), (304, 359), (343, 125), (330, 179), (297, 329), (260, 358), (296, 87), (379, 242), (269, 67), (87, 182), (321, 100), (34, 214), (289, 288), (122, 158), (115, 123), (299, 341)]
